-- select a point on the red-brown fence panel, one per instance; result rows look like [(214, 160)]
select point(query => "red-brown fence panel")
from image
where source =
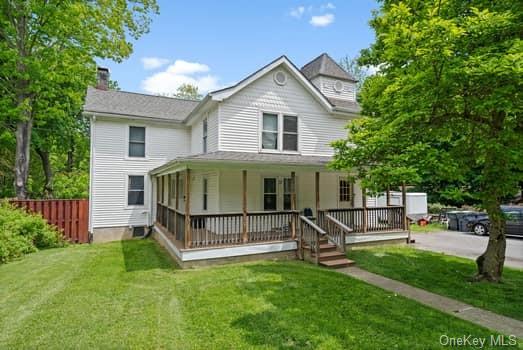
[(69, 215)]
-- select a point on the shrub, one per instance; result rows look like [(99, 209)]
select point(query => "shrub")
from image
[(435, 208), (23, 233)]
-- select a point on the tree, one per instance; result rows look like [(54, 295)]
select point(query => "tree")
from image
[(43, 43), (353, 67), (446, 104), (188, 91)]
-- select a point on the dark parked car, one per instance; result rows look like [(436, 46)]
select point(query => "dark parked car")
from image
[(513, 225)]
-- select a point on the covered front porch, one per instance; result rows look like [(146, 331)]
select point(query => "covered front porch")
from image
[(255, 208)]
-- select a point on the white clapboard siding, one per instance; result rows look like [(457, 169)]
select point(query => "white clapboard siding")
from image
[(212, 132), (239, 117), (111, 167), (326, 86)]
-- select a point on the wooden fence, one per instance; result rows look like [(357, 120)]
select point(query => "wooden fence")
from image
[(69, 215)]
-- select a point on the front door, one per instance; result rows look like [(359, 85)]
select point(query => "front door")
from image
[(277, 193)]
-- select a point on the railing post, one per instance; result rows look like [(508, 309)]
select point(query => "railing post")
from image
[(317, 189), (317, 257), (300, 240), (187, 236), (176, 197), (245, 236)]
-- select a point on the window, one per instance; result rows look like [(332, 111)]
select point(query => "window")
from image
[(269, 194), (204, 135), (135, 190), (270, 131), (279, 132), (290, 133), (136, 141), (287, 193), (205, 194), (345, 190)]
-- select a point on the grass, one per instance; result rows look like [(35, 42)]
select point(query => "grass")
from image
[(432, 227), (445, 275), (129, 295)]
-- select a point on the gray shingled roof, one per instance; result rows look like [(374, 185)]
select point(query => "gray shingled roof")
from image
[(351, 106), (325, 65), (251, 157), (139, 105)]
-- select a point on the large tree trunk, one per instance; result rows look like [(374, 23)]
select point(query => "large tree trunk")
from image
[(23, 142), (490, 263), (48, 172)]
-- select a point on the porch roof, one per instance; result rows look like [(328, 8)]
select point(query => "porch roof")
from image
[(230, 157)]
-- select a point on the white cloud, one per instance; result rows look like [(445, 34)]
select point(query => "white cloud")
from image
[(322, 21), (178, 73), (154, 62), (329, 6), (297, 12)]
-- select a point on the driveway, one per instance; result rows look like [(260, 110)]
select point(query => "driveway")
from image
[(467, 245)]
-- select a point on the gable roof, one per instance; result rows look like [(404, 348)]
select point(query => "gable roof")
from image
[(325, 65), (137, 105), (222, 94)]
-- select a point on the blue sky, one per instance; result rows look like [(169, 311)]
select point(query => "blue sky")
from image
[(216, 43)]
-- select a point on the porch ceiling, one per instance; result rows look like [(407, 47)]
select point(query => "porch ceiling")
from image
[(244, 160)]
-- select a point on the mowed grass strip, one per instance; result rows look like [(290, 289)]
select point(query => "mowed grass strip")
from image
[(130, 295), (445, 275)]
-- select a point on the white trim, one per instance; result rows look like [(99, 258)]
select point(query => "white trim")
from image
[(145, 192), (366, 238), (280, 116), (248, 249), (127, 142), (92, 156)]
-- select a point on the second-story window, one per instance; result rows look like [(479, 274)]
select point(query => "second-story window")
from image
[(136, 141), (290, 133), (270, 131), (204, 133)]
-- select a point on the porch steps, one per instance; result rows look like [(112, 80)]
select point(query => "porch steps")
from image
[(330, 257)]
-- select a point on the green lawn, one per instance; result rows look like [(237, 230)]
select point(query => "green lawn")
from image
[(445, 275), (432, 227), (129, 295)]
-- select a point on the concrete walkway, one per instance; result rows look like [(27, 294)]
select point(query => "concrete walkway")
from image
[(487, 319)]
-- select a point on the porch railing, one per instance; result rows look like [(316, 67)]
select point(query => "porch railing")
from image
[(309, 236), (366, 220), (337, 232), (207, 230)]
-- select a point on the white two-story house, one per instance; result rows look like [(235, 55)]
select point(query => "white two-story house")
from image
[(243, 172)]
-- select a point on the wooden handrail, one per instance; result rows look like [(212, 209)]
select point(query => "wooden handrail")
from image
[(337, 232), (314, 226), (307, 226)]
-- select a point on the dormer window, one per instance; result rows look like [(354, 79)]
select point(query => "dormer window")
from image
[(279, 132)]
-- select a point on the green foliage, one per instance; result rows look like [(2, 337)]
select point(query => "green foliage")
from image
[(23, 233), (188, 91), (445, 108), (351, 65), (47, 59), (435, 208), (71, 185)]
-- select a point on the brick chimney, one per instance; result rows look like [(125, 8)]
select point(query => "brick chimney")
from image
[(102, 76)]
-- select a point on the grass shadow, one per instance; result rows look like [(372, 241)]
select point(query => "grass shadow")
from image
[(144, 254)]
